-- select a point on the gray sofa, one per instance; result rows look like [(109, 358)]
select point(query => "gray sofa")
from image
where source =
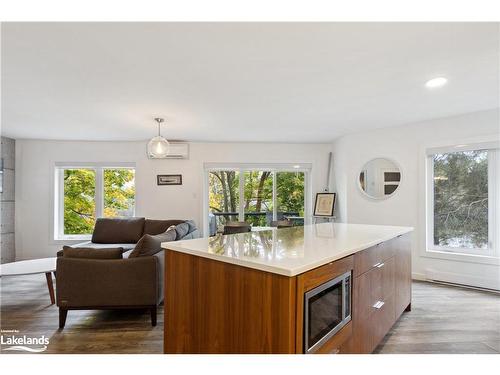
[(111, 279)]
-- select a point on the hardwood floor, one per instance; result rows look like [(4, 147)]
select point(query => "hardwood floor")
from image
[(25, 306), (443, 319), (446, 319)]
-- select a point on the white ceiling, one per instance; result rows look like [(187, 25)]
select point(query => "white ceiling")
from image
[(274, 82)]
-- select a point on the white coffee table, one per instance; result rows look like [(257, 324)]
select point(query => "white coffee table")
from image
[(30, 267)]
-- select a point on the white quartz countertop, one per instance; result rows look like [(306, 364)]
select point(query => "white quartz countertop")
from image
[(289, 251)]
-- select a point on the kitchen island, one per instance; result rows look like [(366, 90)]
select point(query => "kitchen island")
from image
[(323, 288)]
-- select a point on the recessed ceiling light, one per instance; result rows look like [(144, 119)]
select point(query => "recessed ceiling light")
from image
[(436, 82), (296, 166)]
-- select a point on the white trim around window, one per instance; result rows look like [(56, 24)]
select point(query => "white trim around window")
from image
[(491, 254), (57, 231)]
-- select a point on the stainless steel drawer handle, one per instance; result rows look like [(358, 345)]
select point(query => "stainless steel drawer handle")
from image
[(379, 304), (380, 265)]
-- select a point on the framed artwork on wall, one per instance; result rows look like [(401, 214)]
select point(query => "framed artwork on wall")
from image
[(169, 179), (324, 204)]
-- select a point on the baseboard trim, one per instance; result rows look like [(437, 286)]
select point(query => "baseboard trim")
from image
[(494, 291), (462, 280), (418, 276)]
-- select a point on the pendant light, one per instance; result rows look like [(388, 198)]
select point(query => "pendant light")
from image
[(158, 146)]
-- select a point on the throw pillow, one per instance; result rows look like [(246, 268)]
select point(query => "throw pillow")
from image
[(150, 245), (181, 229), (91, 253)]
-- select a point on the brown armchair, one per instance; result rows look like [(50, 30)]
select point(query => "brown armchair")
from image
[(130, 283)]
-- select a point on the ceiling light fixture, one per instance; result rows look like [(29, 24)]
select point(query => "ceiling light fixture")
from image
[(158, 146), (436, 82)]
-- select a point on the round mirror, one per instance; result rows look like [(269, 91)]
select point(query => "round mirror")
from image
[(379, 178)]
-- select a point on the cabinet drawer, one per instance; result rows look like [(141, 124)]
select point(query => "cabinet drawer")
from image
[(388, 270), (361, 312), (381, 321), (369, 258), (373, 308), (373, 286)]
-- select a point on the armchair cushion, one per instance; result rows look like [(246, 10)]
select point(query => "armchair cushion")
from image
[(90, 253)]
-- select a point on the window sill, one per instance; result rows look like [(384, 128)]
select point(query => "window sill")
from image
[(70, 240), (461, 257)]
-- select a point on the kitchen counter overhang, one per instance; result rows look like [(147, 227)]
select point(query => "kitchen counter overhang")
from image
[(289, 251)]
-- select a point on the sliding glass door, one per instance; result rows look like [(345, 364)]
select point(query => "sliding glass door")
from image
[(223, 196), (267, 194), (258, 193), (290, 197)]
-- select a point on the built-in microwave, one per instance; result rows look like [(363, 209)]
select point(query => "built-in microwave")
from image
[(327, 308)]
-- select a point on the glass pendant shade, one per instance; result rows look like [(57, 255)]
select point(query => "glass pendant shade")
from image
[(158, 147)]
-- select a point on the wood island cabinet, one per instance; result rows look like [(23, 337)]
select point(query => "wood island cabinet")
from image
[(213, 306), (381, 292)]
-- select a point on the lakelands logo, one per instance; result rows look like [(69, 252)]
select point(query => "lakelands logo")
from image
[(12, 342)]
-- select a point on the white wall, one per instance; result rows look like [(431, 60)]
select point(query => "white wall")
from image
[(405, 145), (35, 160)]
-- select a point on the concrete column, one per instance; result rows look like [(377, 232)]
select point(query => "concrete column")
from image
[(7, 200)]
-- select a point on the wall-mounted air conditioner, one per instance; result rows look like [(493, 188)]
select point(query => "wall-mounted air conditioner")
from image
[(177, 150)]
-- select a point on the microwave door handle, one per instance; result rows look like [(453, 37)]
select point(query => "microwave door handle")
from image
[(343, 299)]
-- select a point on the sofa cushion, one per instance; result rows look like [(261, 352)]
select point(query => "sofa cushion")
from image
[(90, 253), (126, 246), (149, 245), (181, 229), (155, 227), (112, 230)]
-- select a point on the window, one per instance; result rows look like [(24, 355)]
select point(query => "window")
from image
[(462, 200), (267, 194), (84, 193), (79, 201)]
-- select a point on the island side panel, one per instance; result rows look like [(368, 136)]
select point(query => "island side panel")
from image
[(403, 274), (217, 307)]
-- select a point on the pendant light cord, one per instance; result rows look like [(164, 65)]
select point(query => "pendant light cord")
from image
[(159, 121)]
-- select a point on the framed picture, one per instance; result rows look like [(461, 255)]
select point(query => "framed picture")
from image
[(325, 204), (169, 179)]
